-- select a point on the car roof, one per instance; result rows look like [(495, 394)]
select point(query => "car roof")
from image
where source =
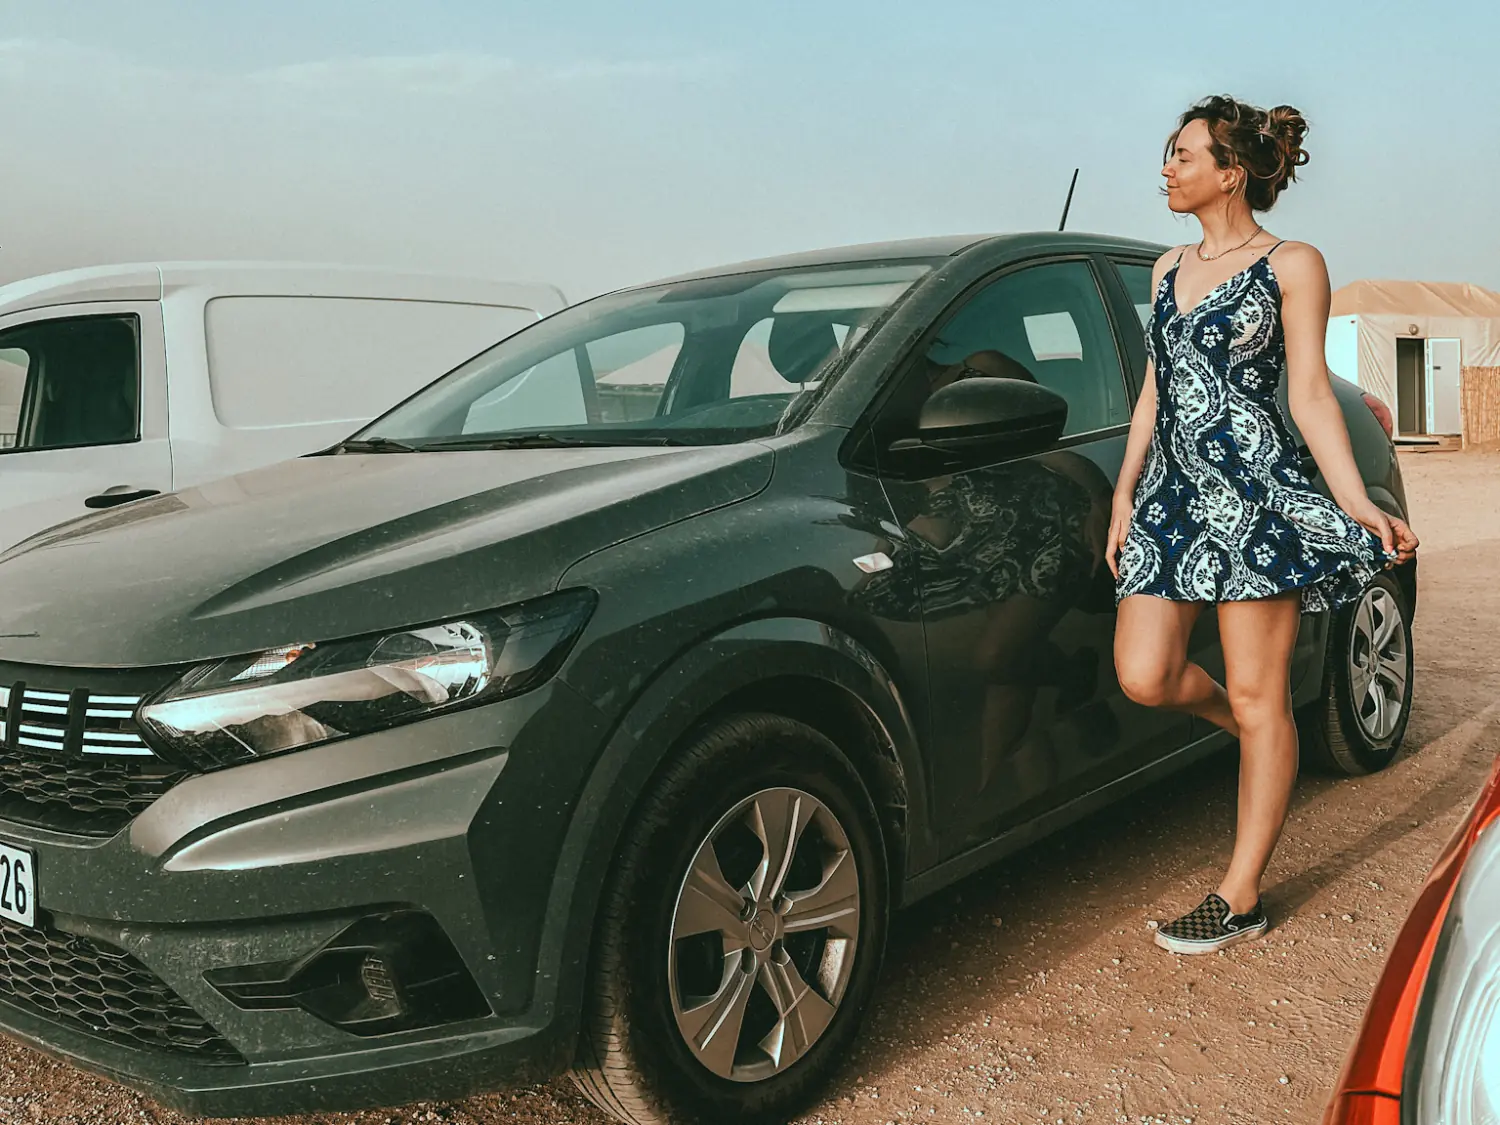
[(944, 246), (151, 281)]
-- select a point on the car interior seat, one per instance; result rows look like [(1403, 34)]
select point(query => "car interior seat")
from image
[(800, 344)]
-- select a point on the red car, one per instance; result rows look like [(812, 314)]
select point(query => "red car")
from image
[(1428, 1052)]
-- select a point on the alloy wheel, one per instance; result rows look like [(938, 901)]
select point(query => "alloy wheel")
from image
[(1378, 648), (764, 934)]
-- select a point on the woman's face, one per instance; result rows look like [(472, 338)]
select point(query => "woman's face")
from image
[(1194, 179)]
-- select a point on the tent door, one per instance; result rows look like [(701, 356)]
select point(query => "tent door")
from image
[(1443, 366), (1411, 387)]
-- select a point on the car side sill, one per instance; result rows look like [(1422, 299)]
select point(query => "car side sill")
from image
[(949, 871)]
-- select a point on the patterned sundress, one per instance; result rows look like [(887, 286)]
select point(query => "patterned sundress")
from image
[(1223, 510)]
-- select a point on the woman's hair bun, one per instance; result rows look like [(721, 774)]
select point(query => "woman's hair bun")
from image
[(1287, 127)]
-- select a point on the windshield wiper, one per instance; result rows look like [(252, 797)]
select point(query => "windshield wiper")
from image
[(374, 445), (543, 441)]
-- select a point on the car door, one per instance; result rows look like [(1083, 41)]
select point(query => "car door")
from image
[(1017, 600), (82, 413)]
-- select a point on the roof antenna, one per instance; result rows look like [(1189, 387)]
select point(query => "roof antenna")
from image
[(1069, 203)]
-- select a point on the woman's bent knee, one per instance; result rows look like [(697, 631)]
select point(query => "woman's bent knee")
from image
[(1152, 687)]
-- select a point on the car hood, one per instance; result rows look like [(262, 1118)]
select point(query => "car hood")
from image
[(331, 546)]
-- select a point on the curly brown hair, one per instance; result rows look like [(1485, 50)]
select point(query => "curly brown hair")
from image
[(1267, 144)]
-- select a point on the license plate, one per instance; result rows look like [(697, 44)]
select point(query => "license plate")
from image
[(17, 885)]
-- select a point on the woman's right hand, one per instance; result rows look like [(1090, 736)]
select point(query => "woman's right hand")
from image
[(1119, 526)]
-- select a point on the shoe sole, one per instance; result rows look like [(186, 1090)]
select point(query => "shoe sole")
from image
[(1184, 946)]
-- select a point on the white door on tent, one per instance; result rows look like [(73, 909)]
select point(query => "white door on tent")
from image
[(1444, 360)]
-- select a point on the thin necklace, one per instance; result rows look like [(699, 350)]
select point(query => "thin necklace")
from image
[(1202, 257)]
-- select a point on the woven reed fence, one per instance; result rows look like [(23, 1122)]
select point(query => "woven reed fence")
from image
[(1481, 406)]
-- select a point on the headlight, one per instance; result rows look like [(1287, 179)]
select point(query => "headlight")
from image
[(300, 695)]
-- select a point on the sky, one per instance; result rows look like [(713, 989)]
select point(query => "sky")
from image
[(594, 144)]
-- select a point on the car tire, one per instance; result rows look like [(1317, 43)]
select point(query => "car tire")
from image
[(1356, 727), (666, 954)]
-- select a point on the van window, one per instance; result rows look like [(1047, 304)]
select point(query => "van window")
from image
[(283, 361), (70, 382), (13, 363)]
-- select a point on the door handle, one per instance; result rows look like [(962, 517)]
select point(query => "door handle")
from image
[(119, 494)]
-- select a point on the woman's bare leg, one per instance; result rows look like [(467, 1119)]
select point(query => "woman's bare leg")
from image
[(1258, 637), (1151, 639)]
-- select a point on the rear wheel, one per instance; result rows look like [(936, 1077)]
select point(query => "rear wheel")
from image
[(741, 934), (1358, 725)]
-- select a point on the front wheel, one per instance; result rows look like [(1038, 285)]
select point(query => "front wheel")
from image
[(742, 932), (1358, 725)]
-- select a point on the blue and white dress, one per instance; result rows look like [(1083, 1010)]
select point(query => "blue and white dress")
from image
[(1223, 511)]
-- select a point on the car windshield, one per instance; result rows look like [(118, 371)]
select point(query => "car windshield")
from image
[(707, 361)]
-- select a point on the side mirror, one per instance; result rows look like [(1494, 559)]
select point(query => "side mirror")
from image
[(1002, 417)]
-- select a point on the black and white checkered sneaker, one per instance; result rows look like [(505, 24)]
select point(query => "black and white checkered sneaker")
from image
[(1210, 926)]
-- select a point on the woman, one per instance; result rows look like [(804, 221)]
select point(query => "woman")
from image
[(1211, 504)]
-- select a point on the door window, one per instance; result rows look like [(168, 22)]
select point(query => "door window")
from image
[(70, 382), (1137, 278), (1045, 324)]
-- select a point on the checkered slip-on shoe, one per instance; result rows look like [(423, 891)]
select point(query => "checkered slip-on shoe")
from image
[(1210, 926)]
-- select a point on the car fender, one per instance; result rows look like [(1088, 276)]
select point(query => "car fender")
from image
[(702, 680)]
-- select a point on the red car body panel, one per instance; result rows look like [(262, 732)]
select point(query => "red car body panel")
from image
[(1369, 1086)]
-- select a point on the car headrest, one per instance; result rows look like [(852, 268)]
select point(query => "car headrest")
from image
[(800, 343)]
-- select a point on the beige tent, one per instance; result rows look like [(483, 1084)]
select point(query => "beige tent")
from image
[(1406, 342)]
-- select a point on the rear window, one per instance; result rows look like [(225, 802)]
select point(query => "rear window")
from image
[(279, 361)]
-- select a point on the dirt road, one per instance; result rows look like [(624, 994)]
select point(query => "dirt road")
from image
[(1032, 993)]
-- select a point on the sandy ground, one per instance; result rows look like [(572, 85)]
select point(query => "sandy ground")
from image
[(1031, 993)]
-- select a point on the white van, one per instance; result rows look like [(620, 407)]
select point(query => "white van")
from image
[(124, 381)]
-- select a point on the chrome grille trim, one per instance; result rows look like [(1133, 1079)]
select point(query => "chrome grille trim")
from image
[(71, 723)]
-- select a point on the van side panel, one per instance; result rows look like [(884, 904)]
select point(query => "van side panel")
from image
[(258, 379)]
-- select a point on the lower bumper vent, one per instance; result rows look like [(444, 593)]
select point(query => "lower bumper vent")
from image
[(93, 987)]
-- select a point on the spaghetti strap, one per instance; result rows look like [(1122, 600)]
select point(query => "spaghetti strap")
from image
[(1180, 253), (1278, 246)]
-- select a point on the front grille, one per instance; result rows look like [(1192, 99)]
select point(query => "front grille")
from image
[(100, 726), (94, 987), (75, 761)]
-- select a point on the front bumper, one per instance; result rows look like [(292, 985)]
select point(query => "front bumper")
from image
[(459, 817)]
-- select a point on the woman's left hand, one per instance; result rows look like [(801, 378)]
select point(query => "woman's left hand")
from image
[(1395, 534)]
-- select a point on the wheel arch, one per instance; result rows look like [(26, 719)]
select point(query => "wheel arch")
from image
[(806, 670)]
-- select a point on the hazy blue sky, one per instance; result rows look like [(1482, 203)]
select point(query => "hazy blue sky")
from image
[(600, 143)]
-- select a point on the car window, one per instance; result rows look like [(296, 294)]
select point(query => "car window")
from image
[(1137, 278), (631, 371), (626, 373), (70, 382), (1046, 324), (703, 360), (754, 373)]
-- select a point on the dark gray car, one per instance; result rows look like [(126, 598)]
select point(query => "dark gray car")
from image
[(595, 708)]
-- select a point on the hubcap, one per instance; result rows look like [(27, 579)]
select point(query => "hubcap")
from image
[(763, 934), (1377, 663)]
